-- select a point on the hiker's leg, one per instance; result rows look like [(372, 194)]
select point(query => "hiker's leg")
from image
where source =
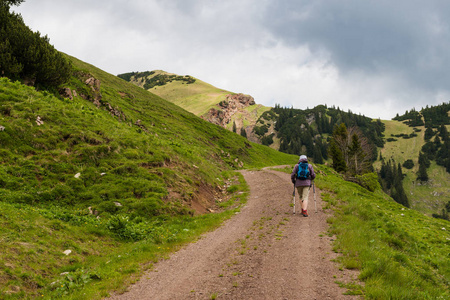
[(300, 192), (305, 195)]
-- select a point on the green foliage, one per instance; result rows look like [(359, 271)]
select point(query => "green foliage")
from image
[(156, 80), (350, 151), (261, 130), (369, 181), (422, 174), (268, 139), (443, 150), (412, 118), (445, 213), (301, 130), (72, 281), (409, 164), (429, 133), (11, 2), (128, 76), (391, 179), (243, 132), (28, 56), (400, 253), (338, 158), (433, 116)]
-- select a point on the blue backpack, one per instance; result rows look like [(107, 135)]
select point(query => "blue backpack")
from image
[(303, 171)]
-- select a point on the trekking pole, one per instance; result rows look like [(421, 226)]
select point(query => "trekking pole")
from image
[(314, 191), (293, 194)]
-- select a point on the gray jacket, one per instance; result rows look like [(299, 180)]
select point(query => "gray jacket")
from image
[(303, 182)]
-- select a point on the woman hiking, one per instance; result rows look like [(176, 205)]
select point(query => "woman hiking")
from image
[(302, 177)]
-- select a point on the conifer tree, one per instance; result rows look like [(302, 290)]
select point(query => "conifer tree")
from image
[(356, 155), (428, 133), (243, 132), (26, 55), (422, 174), (317, 157), (338, 157)]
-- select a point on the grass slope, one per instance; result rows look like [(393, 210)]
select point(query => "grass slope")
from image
[(199, 97), (428, 197), (116, 184)]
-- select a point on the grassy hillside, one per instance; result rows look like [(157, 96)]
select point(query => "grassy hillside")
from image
[(398, 253), (195, 96), (427, 198), (118, 179)]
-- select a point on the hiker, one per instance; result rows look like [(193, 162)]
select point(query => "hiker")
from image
[(302, 177)]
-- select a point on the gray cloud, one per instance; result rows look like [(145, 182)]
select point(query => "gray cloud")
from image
[(378, 58), (409, 39)]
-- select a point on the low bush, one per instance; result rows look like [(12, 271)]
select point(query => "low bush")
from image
[(408, 164)]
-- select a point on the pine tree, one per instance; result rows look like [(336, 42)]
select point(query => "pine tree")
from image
[(428, 133), (389, 175), (443, 132), (317, 157), (423, 159), (243, 132), (338, 157), (356, 155), (422, 174)]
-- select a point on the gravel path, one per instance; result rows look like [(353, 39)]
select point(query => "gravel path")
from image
[(264, 252)]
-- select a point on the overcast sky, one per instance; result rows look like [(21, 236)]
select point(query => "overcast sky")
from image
[(374, 57)]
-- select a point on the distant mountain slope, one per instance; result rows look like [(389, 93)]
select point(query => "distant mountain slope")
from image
[(405, 142), (202, 99), (198, 98)]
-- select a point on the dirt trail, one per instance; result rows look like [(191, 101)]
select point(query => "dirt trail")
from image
[(264, 252)]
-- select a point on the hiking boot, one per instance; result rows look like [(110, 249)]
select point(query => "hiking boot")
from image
[(304, 213)]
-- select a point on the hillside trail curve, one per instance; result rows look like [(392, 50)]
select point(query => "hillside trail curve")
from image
[(263, 252)]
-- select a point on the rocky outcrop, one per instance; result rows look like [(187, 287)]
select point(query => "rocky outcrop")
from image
[(66, 93), (94, 95), (95, 88), (232, 104)]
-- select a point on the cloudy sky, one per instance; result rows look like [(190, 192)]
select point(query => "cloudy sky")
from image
[(373, 57)]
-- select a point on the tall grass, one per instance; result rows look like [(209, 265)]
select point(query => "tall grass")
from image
[(400, 253)]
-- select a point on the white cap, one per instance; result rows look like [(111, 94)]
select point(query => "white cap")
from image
[(303, 157)]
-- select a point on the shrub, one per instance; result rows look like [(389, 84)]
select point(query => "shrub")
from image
[(369, 181), (261, 130), (409, 164)]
